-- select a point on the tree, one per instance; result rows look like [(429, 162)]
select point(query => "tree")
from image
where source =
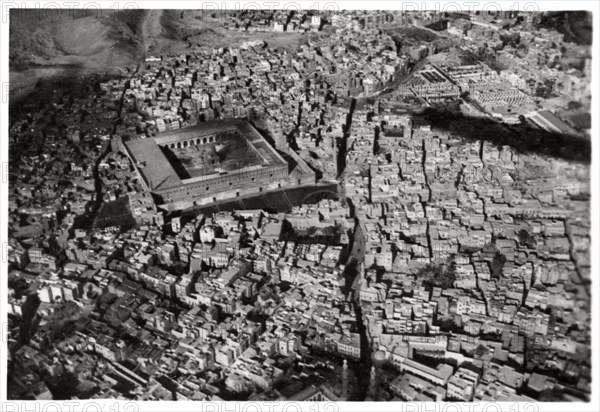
[(525, 239), (481, 350), (438, 276), (498, 264), (545, 88), (448, 324)]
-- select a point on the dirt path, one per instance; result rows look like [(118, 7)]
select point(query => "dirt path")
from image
[(151, 28)]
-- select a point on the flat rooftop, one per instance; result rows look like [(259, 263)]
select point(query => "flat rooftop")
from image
[(152, 164), (549, 122)]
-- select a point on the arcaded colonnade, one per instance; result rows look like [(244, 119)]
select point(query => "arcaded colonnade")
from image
[(182, 144)]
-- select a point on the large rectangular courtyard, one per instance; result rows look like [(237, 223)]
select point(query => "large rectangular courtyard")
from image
[(200, 161), (231, 152)]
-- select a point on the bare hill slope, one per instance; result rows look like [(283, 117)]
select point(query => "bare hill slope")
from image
[(55, 44)]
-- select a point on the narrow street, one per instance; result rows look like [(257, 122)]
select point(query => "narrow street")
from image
[(352, 274), (98, 197)]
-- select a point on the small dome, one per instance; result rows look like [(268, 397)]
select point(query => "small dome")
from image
[(379, 357)]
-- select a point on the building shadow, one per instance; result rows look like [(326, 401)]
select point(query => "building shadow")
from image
[(524, 138)]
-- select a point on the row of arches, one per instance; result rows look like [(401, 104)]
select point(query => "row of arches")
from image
[(182, 144)]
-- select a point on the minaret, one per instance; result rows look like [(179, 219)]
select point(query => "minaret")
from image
[(345, 380), (373, 383), (120, 350)]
